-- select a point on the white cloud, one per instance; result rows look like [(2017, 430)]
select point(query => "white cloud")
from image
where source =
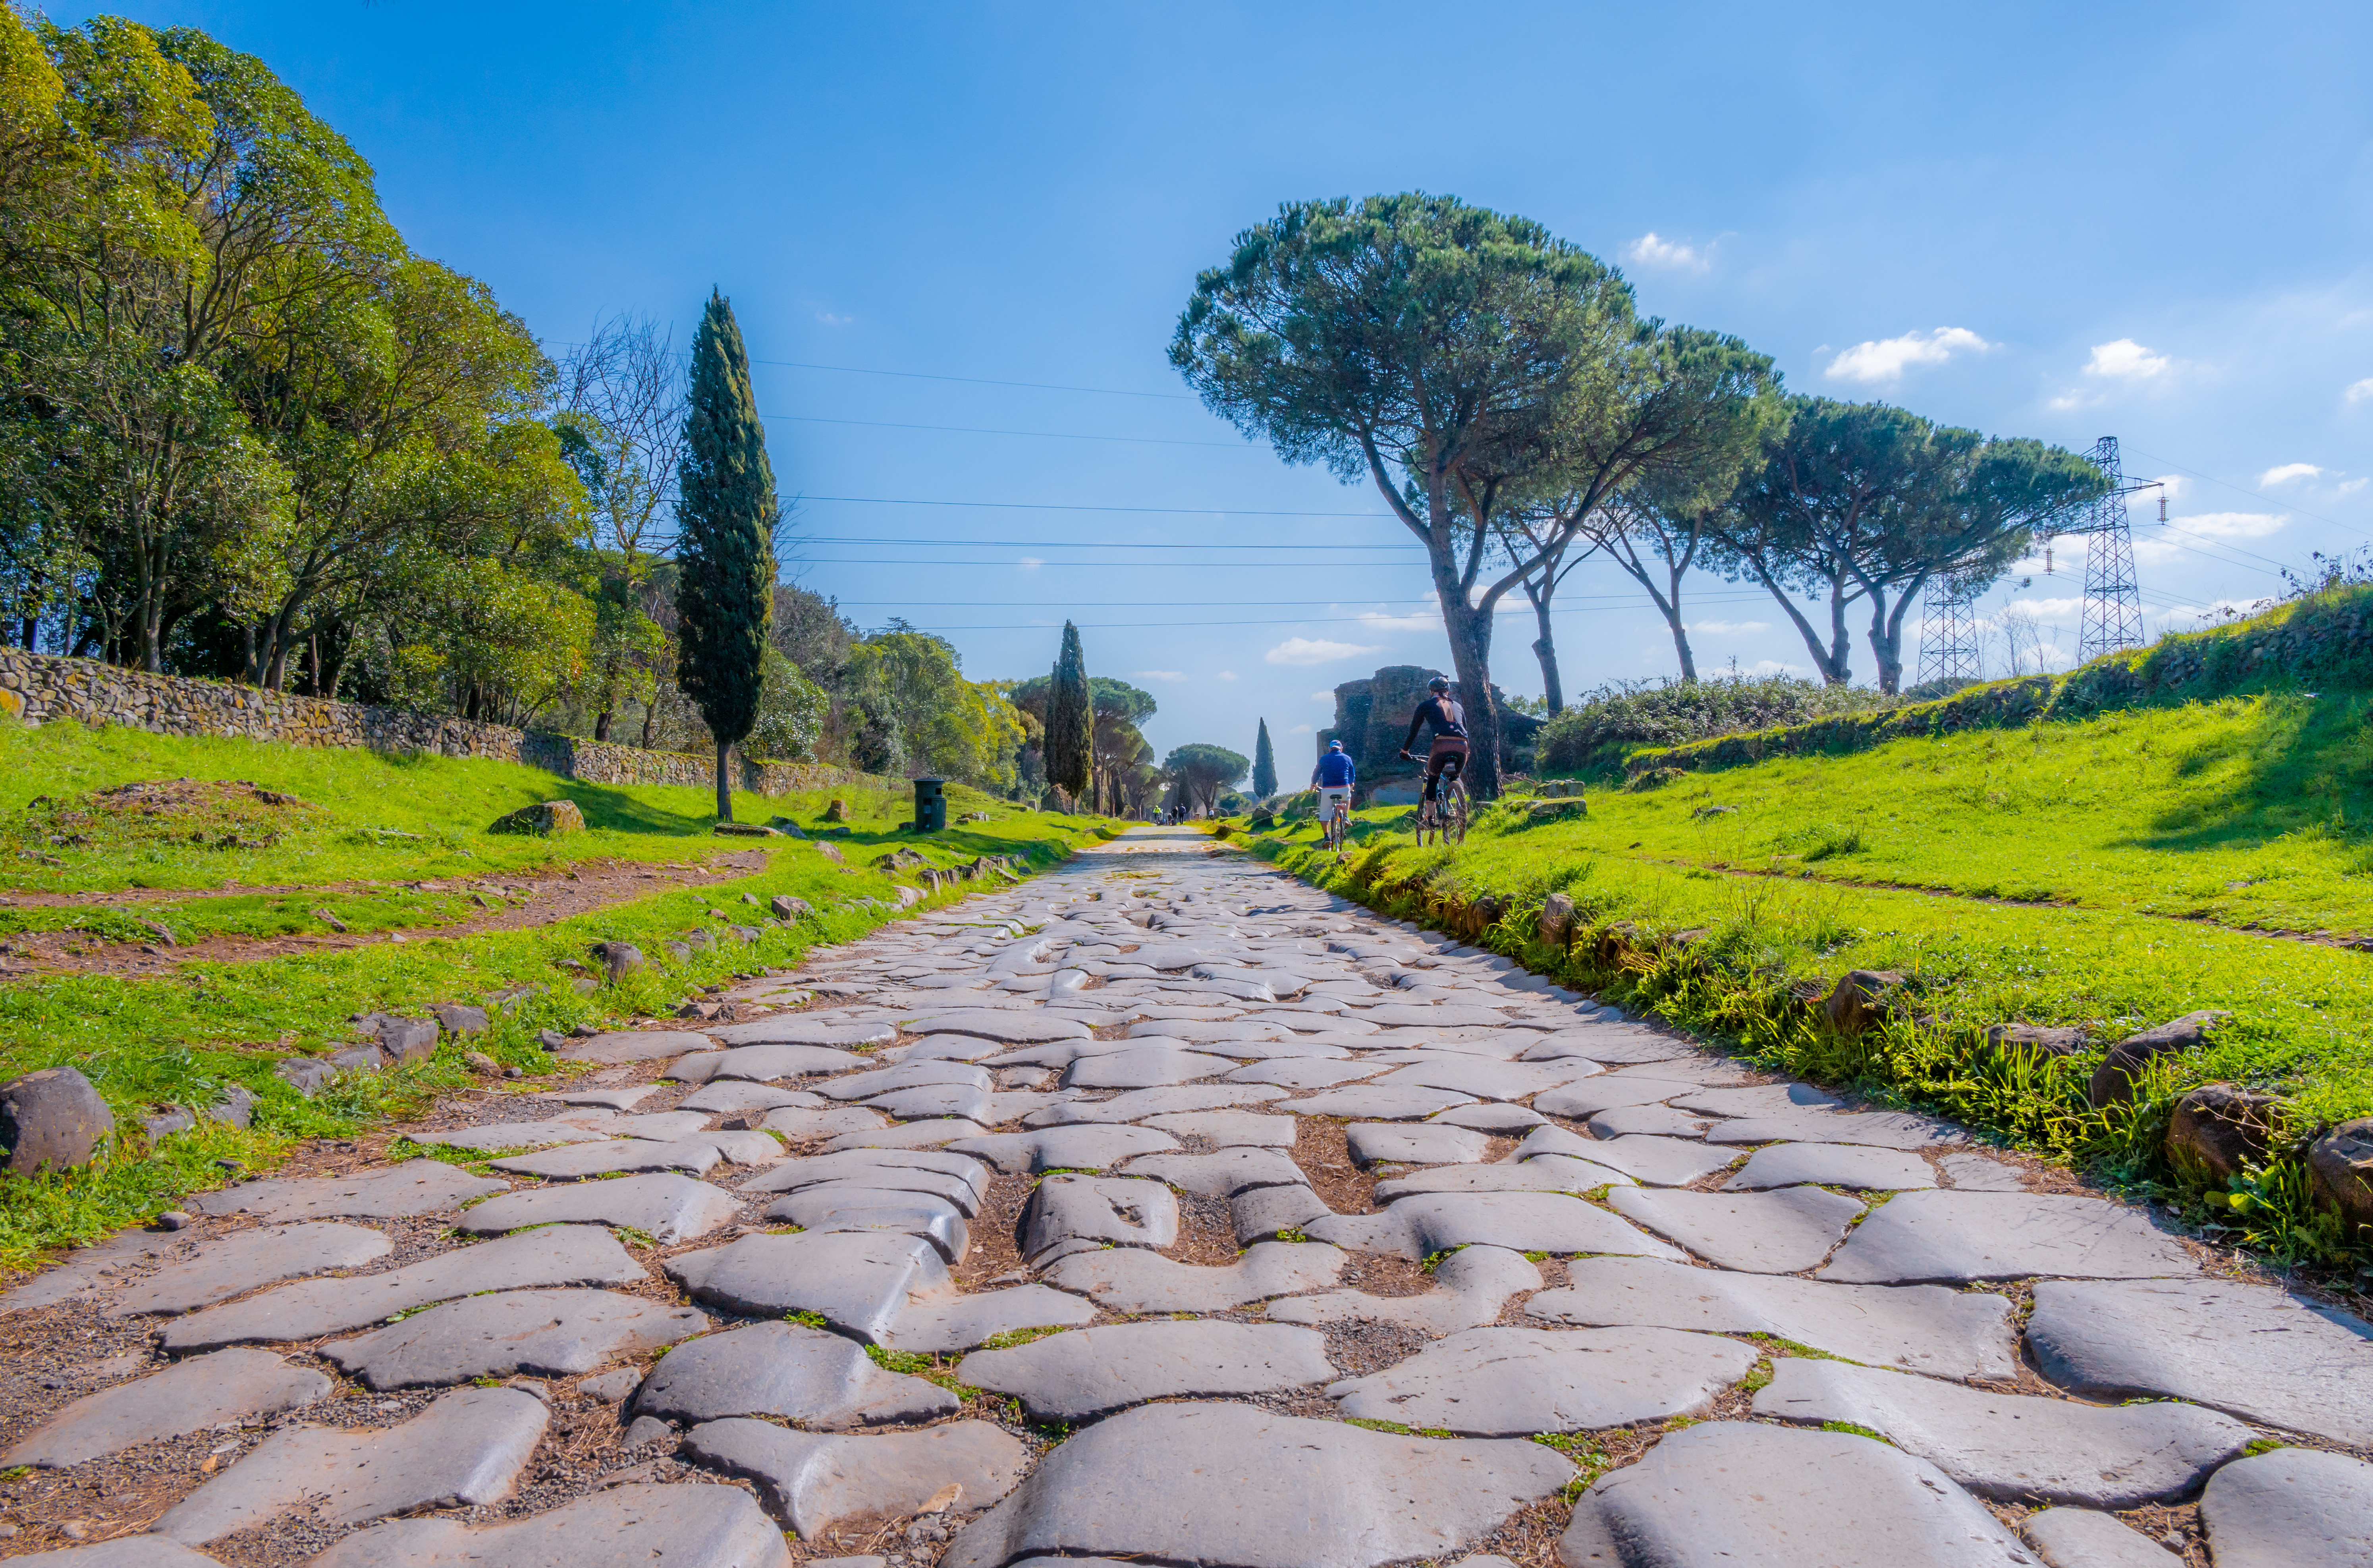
[(1377, 620), (1727, 628), (1322, 696), (2126, 360), (2046, 609), (2358, 391), (1653, 250), (2174, 486), (2283, 473), (1227, 675), (830, 320), (1887, 359), (1299, 729), (1769, 666), (2353, 485), (2231, 524), (1030, 563), (1309, 650), (1156, 675)]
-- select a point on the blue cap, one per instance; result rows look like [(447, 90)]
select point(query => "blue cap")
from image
[(1334, 746)]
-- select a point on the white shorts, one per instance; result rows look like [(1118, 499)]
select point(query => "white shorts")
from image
[(1329, 795)]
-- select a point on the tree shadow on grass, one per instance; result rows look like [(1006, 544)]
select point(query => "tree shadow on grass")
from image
[(2306, 764)]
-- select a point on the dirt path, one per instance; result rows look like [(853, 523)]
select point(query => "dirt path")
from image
[(514, 903)]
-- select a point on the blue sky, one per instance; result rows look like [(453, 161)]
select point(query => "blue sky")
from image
[(2040, 220)]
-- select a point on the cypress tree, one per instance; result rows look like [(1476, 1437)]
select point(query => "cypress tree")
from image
[(725, 550), (1070, 720), (1264, 765)]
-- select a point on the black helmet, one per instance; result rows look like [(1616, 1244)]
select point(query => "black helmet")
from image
[(1437, 684)]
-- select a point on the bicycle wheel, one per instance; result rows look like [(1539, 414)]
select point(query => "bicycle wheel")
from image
[(1455, 817)]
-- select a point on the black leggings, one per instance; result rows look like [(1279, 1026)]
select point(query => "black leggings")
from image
[(1448, 758)]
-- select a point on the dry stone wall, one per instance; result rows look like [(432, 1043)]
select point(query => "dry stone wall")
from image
[(38, 689)]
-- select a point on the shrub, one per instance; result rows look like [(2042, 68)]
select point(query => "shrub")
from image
[(1593, 735)]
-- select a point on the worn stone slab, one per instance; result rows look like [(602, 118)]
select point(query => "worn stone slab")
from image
[(577, 1161), (668, 1208), (1782, 1232), (1948, 1237), (1606, 1092), (1264, 1213), (847, 1206), (661, 1126), (1503, 1119), (941, 1048), (416, 1187), (791, 1029), (1544, 1173), (555, 1255), (123, 1551), (805, 1124), (1758, 1099), (817, 1379), (1093, 1371), (634, 1045), (1822, 1500), (628, 1527), (1980, 1173), (959, 1178), (1377, 1102), (1653, 1120), (232, 1264), (1611, 1045), (764, 1063), (2012, 1446), (1150, 1105), (1306, 1073), (858, 1280), (1098, 1209), (1086, 1147), (1015, 1028), (1133, 1279), (465, 1450), (1832, 1164), (926, 1135), (1498, 1382), (1144, 1068), (1471, 1287), (233, 1386), (85, 1270), (1656, 1162), (1879, 1129), (2079, 1538), (1204, 1031), (607, 1099), (739, 1097), (2291, 1508), (929, 1072), (547, 1333), (1225, 1174), (514, 1135), (1442, 1015), (1487, 1079), (815, 1483), (960, 1101), (1430, 1144), (1946, 1334), (2250, 1350), (1228, 1129), (1248, 1488), (960, 1323), (1418, 1227)]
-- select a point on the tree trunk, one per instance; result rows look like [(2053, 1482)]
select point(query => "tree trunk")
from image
[(1545, 649), (601, 724), (724, 786), (650, 720), (1681, 643)]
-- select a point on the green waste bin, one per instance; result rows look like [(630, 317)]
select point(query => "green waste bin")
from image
[(931, 805)]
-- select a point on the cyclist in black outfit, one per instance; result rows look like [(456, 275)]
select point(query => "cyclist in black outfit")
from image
[(1449, 722)]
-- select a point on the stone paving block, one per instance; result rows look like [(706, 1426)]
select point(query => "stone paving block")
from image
[(1782, 1232), (1225, 1174), (1832, 1164), (1093, 1371), (1148, 1105), (1418, 1227), (555, 1255), (2248, 1349), (1228, 1129), (1544, 1173), (817, 1379), (1145, 1068), (1230, 1484), (1433, 1144), (1377, 1102), (960, 1178), (1606, 1092), (628, 1527), (1654, 1162), (1612, 1045), (905, 1075), (1652, 1120), (1132, 1280), (231, 1386), (1067, 1209), (791, 1029), (2079, 1538), (1446, 1016), (123, 1551), (1758, 1099), (1946, 1334), (805, 1124), (544, 1333), (942, 1048), (416, 1187), (847, 1206), (668, 1208), (112, 1259), (1080, 1148), (1203, 1031), (941, 1100), (1879, 1129), (1498, 1382), (1008, 1028), (1947, 1236), (960, 1323), (764, 1063), (577, 1161), (225, 1267), (2012, 1446), (1306, 1073), (465, 1450), (516, 1134), (2291, 1508), (739, 1097), (1506, 1119), (931, 1134), (1485, 1079), (1262, 1214), (1980, 1173), (612, 1386), (1823, 1500), (661, 1126), (634, 1045), (815, 1483), (858, 1280), (606, 1099), (1471, 1287)]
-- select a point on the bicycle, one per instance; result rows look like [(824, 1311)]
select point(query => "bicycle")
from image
[(1446, 814), (1338, 826)]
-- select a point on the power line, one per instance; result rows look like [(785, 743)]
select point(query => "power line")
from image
[(1070, 544), (2255, 495), (984, 430), (1072, 507)]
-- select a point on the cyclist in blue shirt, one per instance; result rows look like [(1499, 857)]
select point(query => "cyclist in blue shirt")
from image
[(1333, 779)]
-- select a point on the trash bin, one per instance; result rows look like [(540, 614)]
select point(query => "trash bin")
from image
[(931, 805)]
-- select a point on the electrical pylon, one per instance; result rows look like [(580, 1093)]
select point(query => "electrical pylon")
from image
[(2113, 601), (1948, 630)]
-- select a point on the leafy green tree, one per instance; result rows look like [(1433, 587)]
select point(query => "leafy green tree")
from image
[(791, 710), (1429, 345), (1202, 772), (725, 544), (923, 717), (1070, 720), (1264, 765)]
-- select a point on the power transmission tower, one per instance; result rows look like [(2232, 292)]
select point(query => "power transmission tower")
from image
[(1949, 630), (2113, 601)]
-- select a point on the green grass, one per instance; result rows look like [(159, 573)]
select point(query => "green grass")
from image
[(179, 1039)]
